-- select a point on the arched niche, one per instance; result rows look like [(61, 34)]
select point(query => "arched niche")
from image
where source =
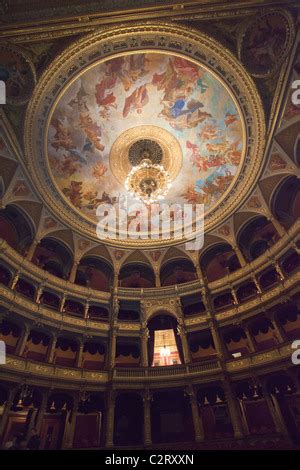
[(256, 236), (286, 201), (50, 299), (177, 271), (136, 275), (53, 256), (164, 342), (16, 228), (95, 273), (218, 261)]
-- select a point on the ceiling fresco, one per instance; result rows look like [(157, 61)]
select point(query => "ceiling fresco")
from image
[(110, 92), (159, 90)]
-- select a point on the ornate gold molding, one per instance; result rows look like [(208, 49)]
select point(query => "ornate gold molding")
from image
[(172, 153)]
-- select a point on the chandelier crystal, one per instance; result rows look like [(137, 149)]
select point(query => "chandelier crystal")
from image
[(148, 181)]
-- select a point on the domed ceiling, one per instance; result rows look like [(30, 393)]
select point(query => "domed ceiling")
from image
[(149, 95), (172, 94)]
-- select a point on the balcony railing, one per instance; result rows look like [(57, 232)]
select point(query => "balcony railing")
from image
[(39, 276), (16, 365), (13, 300)]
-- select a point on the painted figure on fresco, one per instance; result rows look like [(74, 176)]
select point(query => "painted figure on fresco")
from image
[(265, 42), (136, 101), (155, 89)]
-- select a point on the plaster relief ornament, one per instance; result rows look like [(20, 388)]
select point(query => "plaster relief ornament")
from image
[(118, 254), (49, 223), (21, 189)]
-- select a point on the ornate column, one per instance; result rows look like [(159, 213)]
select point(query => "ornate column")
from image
[(157, 279), (116, 278), (111, 356), (39, 293), (144, 345), (22, 341), (147, 398), (86, 310), (41, 412), (73, 271), (234, 296), (274, 409), (250, 338), (31, 418), (185, 347), (244, 417), (111, 401), (15, 280), (239, 255), (7, 407), (234, 409), (218, 340), (62, 303), (70, 425), (51, 349), (199, 273), (279, 270), (79, 353), (280, 419), (181, 330), (32, 248), (205, 300), (258, 288), (115, 307), (279, 331), (197, 421)]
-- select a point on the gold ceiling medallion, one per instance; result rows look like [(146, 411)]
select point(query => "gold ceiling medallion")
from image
[(76, 146), (142, 142)]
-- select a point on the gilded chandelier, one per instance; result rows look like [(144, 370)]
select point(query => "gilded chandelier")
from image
[(148, 181)]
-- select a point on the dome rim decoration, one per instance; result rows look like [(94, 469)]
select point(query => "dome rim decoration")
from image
[(177, 40)]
